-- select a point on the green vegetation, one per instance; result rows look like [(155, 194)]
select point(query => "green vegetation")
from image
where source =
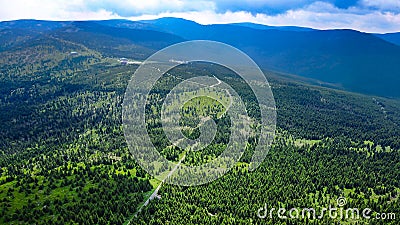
[(64, 159)]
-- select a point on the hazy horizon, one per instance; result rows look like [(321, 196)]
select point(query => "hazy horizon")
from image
[(362, 15)]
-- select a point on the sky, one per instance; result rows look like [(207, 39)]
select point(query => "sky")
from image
[(378, 16)]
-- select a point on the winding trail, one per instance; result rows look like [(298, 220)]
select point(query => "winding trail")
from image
[(219, 82), (155, 193)]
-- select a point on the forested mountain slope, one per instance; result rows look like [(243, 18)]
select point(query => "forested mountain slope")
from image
[(64, 159)]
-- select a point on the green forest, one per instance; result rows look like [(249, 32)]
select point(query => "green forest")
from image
[(64, 158)]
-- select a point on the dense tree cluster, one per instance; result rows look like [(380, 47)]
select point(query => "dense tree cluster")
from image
[(64, 160), (293, 176)]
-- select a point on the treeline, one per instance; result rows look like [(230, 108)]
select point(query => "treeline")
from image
[(64, 160), (292, 176)]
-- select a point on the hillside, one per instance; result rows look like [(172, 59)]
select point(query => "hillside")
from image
[(64, 158), (357, 61), (390, 37)]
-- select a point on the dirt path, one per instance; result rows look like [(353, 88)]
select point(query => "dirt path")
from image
[(155, 193)]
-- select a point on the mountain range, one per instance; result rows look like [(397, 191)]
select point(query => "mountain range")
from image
[(347, 59)]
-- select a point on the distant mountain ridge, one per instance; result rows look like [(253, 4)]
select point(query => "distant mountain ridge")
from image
[(266, 27), (356, 61), (391, 37)]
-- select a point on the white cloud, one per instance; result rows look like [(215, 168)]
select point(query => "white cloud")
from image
[(51, 10), (374, 21), (320, 15), (138, 7), (391, 5)]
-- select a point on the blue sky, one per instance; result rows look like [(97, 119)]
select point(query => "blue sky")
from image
[(364, 15)]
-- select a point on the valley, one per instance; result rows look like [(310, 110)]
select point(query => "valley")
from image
[(64, 158)]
